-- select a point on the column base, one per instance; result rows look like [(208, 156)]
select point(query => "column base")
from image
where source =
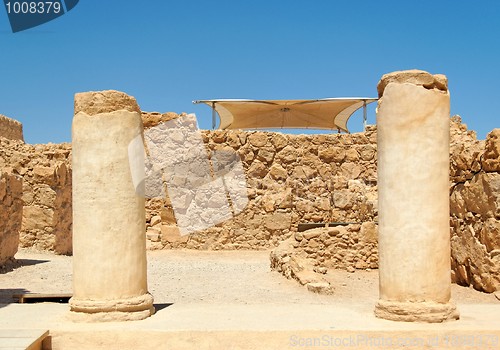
[(427, 311), (131, 309)]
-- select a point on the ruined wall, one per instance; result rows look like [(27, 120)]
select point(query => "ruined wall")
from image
[(474, 224), (46, 192), (10, 129), (475, 209), (11, 211), (291, 179)]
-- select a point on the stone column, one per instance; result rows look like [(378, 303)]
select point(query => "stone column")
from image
[(413, 117), (109, 246)]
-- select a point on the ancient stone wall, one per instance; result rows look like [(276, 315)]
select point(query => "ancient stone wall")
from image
[(475, 209), (291, 179), (474, 224), (11, 209), (10, 129), (46, 192)]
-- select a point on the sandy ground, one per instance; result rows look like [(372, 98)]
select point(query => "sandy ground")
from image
[(187, 276)]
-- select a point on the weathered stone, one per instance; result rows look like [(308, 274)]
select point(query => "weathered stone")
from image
[(44, 174), (287, 154), (107, 211), (279, 141), (332, 154), (414, 77), (313, 233), (343, 199), (37, 218), (490, 234), (171, 234), (491, 156), (413, 168), (277, 221), (155, 220), (278, 172), (11, 212), (258, 139), (351, 155), (257, 169), (320, 287), (368, 232), (96, 102), (153, 234), (367, 153), (11, 129), (351, 170)]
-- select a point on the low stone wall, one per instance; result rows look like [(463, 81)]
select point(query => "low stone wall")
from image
[(11, 211), (307, 255), (11, 129)]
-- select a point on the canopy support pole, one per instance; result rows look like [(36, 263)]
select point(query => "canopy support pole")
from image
[(213, 115), (364, 115)]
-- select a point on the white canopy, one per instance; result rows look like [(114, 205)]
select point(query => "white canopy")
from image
[(326, 113)]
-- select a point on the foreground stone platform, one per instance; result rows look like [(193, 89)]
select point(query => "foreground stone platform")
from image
[(258, 326)]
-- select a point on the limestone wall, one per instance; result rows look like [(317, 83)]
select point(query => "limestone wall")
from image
[(11, 209), (46, 192), (291, 179), (10, 129), (475, 209), (474, 224)]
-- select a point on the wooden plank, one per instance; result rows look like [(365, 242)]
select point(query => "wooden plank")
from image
[(33, 297), (22, 333), (26, 339)]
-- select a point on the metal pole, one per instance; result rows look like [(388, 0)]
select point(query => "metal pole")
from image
[(364, 115), (213, 115)]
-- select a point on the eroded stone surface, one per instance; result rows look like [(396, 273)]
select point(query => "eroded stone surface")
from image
[(475, 210), (427, 311), (413, 188), (11, 129), (96, 102), (11, 211), (491, 156), (109, 231), (415, 77)]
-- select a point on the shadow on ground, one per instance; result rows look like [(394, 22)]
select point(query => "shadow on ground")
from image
[(7, 295), (17, 263), (161, 306)]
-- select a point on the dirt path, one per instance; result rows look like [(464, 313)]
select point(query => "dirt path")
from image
[(181, 276)]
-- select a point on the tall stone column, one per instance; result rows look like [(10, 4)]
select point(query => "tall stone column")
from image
[(109, 246), (413, 116)]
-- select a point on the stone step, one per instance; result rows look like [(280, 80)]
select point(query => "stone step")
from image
[(22, 339)]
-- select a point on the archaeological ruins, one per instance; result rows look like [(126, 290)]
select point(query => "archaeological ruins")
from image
[(416, 196)]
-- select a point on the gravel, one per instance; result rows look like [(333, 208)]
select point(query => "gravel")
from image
[(192, 276)]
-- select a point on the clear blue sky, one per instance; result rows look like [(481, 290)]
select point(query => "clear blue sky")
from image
[(168, 53)]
